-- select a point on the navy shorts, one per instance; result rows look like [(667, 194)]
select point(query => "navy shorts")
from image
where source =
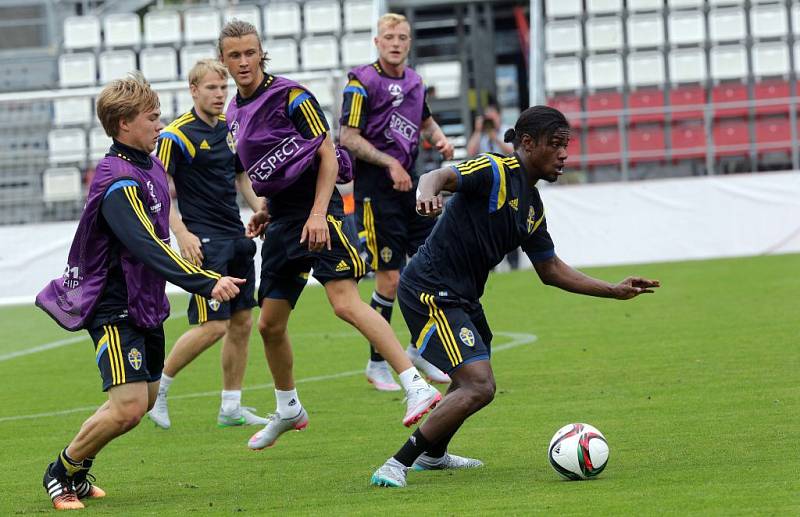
[(125, 353), (445, 331), (390, 229), (228, 257), (286, 264)]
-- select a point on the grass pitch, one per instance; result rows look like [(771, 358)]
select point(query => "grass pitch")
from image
[(695, 388)]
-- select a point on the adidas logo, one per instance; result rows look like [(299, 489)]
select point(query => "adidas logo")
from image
[(204, 145), (514, 203), (342, 266), (416, 378), (293, 402)]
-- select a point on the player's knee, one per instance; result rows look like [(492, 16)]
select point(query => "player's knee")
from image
[(271, 330), (128, 415), (216, 329), (482, 393), (345, 309)]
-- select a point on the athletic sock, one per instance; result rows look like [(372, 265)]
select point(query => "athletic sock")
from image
[(412, 352), (163, 386), (288, 403), (231, 400), (64, 466), (438, 449), (384, 307), (411, 379), (410, 451), (87, 463)]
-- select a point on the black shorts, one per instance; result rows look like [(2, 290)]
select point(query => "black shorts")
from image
[(228, 257), (390, 229), (447, 333), (285, 263), (126, 353)]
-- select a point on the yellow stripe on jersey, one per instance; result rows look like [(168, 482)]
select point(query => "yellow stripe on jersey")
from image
[(498, 194), (188, 145), (360, 267), (537, 223), (355, 110), (317, 127), (511, 162), (471, 166), (120, 359), (107, 339), (443, 330), (202, 310), (221, 116), (165, 152), (372, 239)]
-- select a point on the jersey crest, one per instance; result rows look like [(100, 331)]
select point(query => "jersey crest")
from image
[(135, 358), (467, 337)]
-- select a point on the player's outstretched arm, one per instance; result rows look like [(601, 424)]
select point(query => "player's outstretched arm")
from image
[(434, 134), (558, 273), (226, 288), (429, 190), (315, 231), (351, 138)]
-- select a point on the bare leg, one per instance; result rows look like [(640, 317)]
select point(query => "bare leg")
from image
[(277, 347), (192, 343), (234, 349), (386, 283)]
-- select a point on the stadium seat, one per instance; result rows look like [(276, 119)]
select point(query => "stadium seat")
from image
[(322, 16), (162, 27), (645, 5), (99, 142), (682, 4), (122, 30), (726, 25), (726, 93), (645, 144), (183, 102), (688, 141), (728, 62), (79, 69), (190, 56), (796, 19), (731, 138), (319, 53), (776, 91), (603, 34), (358, 15), (159, 64), (611, 101), (575, 148), (604, 6), (771, 60), (61, 184), (282, 19), (768, 21), (563, 37), (684, 97), (357, 49), (646, 30), (246, 13), (282, 55), (687, 66), (650, 99), (773, 134), (563, 74), (604, 71), (72, 111), (570, 106), (602, 146), (66, 146), (81, 32), (445, 76), (645, 69), (115, 64), (325, 90), (563, 8), (686, 28), (715, 3), (201, 25), (168, 105)]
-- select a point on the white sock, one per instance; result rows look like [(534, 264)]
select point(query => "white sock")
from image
[(412, 352), (231, 400), (166, 380), (411, 379), (288, 403)]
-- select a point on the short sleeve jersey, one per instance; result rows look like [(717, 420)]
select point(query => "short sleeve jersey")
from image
[(494, 210)]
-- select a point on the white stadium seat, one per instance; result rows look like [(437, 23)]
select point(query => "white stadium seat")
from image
[(687, 66), (245, 13), (604, 34), (201, 25), (563, 37), (563, 74), (681, 4), (604, 71), (81, 32), (282, 19), (61, 184), (563, 8), (444, 76), (796, 19), (99, 142), (115, 64), (686, 28), (322, 16), (78, 69), (72, 111), (725, 2), (768, 21), (771, 59), (66, 145), (726, 25), (122, 30), (728, 62), (162, 27), (323, 91), (167, 100), (357, 49), (645, 69), (645, 31), (319, 53), (358, 15), (190, 56), (282, 55), (159, 64), (603, 6), (184, 102), (645, 5)]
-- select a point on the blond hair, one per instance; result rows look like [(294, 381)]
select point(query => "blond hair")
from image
[(205, 66), (391, 19), (124, 99), (239, 29)]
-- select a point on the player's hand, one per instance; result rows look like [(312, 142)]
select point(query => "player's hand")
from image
[(430, 206), (316, 232), (258, 223), (634, 286), (190, 246), (400, 178), (226, 288), (444, 147)]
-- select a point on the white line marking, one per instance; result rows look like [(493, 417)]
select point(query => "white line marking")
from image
[(517, 339)]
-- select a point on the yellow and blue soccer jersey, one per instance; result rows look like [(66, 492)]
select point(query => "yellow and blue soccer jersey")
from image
[(495, 210)]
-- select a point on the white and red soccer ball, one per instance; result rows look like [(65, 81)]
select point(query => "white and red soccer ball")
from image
[(578, 451)]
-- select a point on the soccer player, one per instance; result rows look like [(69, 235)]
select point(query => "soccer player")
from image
[(197, 151), (384, 114), (113, 285), (496, 207), (282, 139)]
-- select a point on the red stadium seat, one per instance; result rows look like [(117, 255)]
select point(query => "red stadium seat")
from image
[(603, 146), (611, 101), (570, 106), (650, 99), (688, 96), (769, 90), (731, 138), (646, 144), (733, 92), (773, 135), (574, 150), (688, 141)]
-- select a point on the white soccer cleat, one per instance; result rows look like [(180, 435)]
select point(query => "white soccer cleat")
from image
[(275, 427), (430, 371), (159, 414), (448, 461), (418, 402), (390, 475), (240, 416), (380, 376)]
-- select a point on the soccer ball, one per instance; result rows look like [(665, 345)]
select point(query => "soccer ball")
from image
[(578, 451)]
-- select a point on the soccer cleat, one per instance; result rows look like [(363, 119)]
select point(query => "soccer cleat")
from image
[(430, 371), (448, 461), (418, 402), (159, 414), (85, 487), (389, 475), (275, 427), (240, 416), (379, 375), (60, 491)]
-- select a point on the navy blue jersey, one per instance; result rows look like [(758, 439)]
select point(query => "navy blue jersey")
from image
[(201, 160), (494, 210)]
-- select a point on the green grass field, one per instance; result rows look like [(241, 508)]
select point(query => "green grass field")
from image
[(696, 389)]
